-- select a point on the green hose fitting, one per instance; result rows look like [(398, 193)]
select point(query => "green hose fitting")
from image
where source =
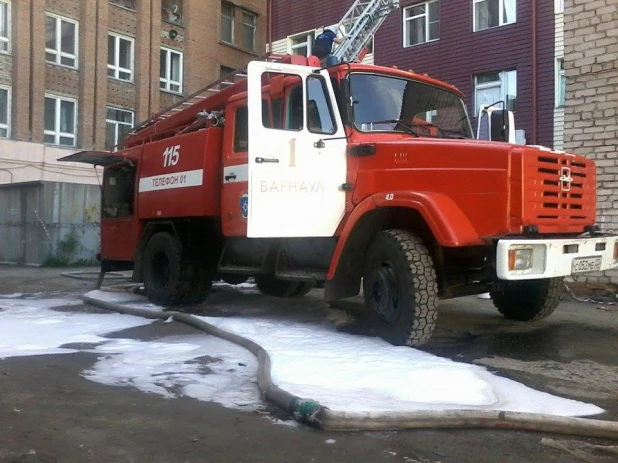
[(305, 411)]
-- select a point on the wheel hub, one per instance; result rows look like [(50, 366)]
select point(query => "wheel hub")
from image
[(384, 294)]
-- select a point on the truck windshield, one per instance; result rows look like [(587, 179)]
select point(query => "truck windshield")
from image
[(392, 104)]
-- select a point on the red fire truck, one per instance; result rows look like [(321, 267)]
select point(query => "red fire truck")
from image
[(346, 176)]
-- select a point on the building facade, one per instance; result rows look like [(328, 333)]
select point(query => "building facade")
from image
[(492, 50), (78, 74), (591, 104)]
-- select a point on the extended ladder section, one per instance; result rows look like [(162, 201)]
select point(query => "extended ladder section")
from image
[(361, 22)]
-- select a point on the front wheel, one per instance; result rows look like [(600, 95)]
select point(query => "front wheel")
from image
[(400, 288), (527, 300)]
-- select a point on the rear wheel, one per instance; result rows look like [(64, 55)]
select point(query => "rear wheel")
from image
[(171, 278), (400, 288), (527, 300), (271, 286)]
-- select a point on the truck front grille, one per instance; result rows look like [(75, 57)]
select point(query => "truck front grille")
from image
[(559, 192)]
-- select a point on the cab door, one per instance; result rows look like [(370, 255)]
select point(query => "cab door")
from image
[(296, 170)]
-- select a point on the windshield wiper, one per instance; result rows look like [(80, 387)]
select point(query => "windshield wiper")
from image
[(400, 122)]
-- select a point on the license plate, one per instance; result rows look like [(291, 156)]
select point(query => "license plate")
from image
[(586, 264)]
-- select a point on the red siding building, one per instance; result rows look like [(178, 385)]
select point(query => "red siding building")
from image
[(490, 49)]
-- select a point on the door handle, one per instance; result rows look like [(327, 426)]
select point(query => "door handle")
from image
[(232, 176), (262, 160)]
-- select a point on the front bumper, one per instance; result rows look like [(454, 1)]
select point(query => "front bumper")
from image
[(557, 257)]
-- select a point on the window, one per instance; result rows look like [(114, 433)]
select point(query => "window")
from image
[(225, 71), (227, 22), (60, 120), (320, 118), (249, 21), (5, 26), (119, 123), (5, 112), (241, 130), (61, 41), (561, 83), (559, 6), (301, 44), (171, 70), (124, 3), (171, 11), (390, 104), (421, 23), (493, 13), (120, 57), (493, 87)]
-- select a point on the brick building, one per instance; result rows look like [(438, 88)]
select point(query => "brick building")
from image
[(591, 110), (490, 49), (79, 74)]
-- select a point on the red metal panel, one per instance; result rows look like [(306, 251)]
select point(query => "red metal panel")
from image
[(181, 190)]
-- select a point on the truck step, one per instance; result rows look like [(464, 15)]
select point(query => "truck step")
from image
[(303, 275), (240, 269)]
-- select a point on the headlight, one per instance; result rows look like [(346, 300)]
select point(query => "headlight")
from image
[(521, 259)]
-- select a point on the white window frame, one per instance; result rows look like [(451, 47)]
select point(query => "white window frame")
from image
[(167, 80), (559, 6), (56, 132), (249, 25), (116, 67), (57, 52), (501, 17), (7, 126), (407, 21), (309, 37), (118, 123), (233, 22), (121, 4), (7, 39), (560, 95), (502, 83)]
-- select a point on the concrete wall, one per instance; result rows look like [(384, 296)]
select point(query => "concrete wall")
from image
[(49, 222), (30, 162), (591, 110)]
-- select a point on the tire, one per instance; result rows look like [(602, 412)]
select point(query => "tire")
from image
[(271, 286), (400, 288), (234, 279), (170, 278), (527, 300)]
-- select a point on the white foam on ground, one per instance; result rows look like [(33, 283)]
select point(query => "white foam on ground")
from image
[(31, 328), (310, 359)]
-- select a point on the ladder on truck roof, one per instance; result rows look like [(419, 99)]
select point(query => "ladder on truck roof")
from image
[(361, 22), (201, 94)]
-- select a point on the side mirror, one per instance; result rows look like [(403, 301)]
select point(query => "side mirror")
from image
[(495, 125)]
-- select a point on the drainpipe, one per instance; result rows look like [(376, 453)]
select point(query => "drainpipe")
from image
[(269, 19), (534, 75)]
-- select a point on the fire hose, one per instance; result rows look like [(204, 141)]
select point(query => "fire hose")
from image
[(312, 413)]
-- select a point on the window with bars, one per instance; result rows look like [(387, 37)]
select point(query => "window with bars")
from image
[(171, 70), (5, 26), (493, 13), (119, 123), (120, 52), (421, 23), (60, 120), (61, 36)]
